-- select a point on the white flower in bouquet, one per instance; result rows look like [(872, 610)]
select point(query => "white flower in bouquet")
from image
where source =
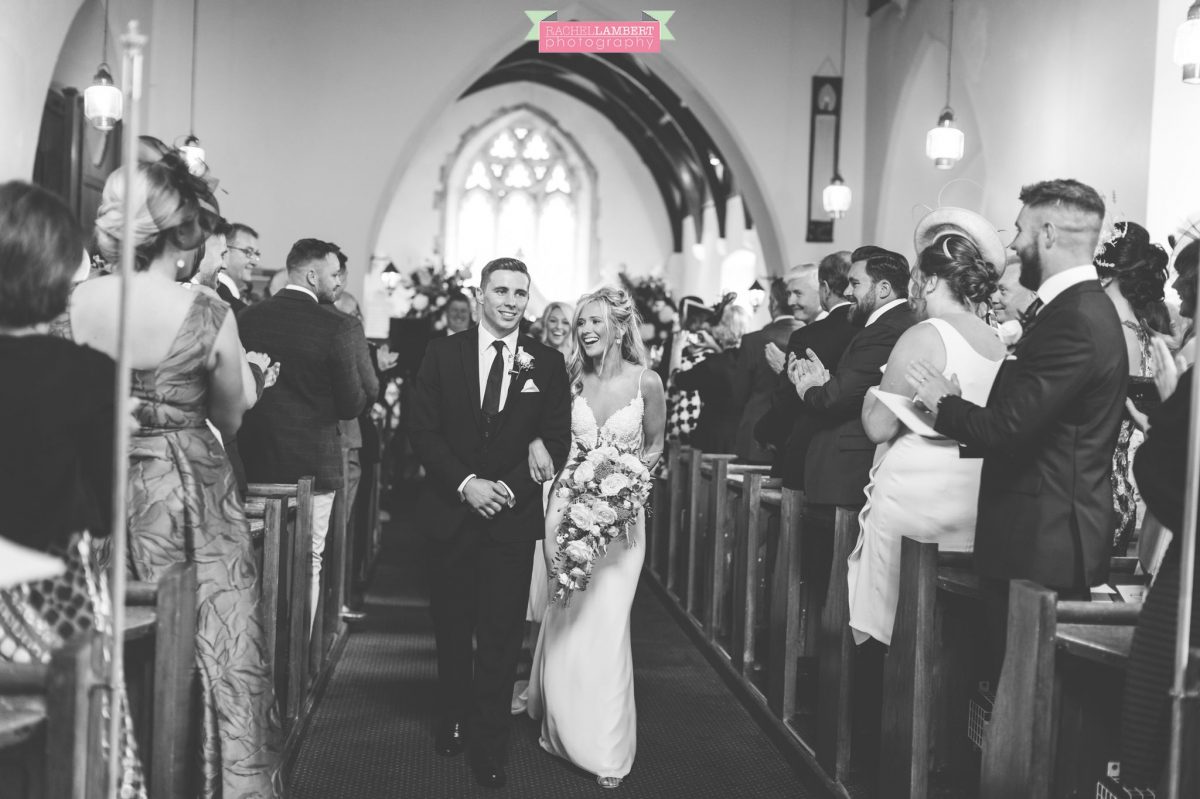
[(606, 515), (632, 462), (613, 484), (584, 472), (578, 551), (582, 516), (564, 579)]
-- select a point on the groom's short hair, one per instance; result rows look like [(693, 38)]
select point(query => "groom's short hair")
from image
[(497, 264)]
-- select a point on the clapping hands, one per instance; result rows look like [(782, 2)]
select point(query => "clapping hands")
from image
[(385, 358), (775, 357), (930, 385), (263, 362), (807, 373), (1167, 369)]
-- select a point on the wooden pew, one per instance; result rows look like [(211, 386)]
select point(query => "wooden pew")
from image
[(658, 522), (835, 655), (165, 613), (270, 520), (291, 630), (53, 724), (706, 479), (1058, 702), (719, 504)]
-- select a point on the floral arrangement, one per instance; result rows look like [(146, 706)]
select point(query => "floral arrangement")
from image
[(424, 291), (605, 489), (656, 307)]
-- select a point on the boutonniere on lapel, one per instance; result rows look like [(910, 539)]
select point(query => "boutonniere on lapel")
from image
[(522, 362)]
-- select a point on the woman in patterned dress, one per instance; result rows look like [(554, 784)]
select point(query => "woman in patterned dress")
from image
[(188, 370), (1133, 272)]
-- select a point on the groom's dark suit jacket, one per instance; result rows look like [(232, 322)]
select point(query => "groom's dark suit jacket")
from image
[(446, 429), (839, 457), (1047, 437)]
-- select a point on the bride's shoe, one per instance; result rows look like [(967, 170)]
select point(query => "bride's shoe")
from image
[(609, 782)]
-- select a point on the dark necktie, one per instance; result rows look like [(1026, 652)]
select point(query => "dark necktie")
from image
[(491, 393), (1029, 313)]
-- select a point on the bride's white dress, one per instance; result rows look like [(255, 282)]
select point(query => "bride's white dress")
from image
[(920, 488), (581, 685)]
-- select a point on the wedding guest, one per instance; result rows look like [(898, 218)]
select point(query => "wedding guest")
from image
[(839, 456), (686, 349), (188, 369), (784, 428), (241, 255), (556, 327), (56, 422), (919, 486), (713, 379), (1133, 272), (1186, 262), (1050, 425), (212, 260), (457, 313), (1010, 302), (293, 431), (755, 380), (1160, 467)]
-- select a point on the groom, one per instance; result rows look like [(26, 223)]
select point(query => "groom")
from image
[(480, 398)]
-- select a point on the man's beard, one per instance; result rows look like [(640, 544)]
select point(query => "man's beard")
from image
[(1031, 268), (861, 310)]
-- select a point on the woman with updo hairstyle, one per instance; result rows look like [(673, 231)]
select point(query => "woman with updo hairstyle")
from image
[(56, 424), (919, 486), (188, 369), (581, 684), (1133, 272)]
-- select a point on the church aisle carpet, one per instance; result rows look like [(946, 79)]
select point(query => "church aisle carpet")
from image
[(371, 737)]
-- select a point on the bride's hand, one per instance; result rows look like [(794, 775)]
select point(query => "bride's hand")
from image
[(541, 467)]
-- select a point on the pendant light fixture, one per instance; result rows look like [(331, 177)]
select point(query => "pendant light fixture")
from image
[(191, 150), (836, 196), (390, 278), (1187, 45), (756, 294), (945, 143), (103, 102)]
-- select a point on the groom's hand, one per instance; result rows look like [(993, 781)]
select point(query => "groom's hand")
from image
[(484, 496)]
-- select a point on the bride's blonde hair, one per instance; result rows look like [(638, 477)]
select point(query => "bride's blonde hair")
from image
[(621, 320)]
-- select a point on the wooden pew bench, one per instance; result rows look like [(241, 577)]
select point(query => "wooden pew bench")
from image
[(1057, 712), (50, 717), (287, 518), (160, 673)]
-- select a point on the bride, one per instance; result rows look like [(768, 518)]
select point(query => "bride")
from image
[(581, 686)]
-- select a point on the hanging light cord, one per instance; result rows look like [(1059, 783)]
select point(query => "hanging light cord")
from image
[(837, 172), (104, 46), (192, 119), (949, 53), (845, 14)]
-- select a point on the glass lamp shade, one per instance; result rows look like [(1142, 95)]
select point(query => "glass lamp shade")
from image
[(390, 278), (193, 153), (945, 143), (1187, 45), (836, 198), (103, 102)]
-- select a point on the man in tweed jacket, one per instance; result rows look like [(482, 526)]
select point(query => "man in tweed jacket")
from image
[(293, 430)]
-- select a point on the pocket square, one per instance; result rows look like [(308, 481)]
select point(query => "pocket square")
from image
[(530, 388)]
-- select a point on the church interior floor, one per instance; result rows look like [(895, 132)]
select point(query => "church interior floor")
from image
[(372, 735)]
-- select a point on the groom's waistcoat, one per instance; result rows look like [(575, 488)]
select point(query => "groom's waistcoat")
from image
[(447, 430)]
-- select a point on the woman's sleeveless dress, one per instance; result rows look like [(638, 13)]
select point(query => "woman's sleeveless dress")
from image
[(919, 487), (581, 686), (183, 505)]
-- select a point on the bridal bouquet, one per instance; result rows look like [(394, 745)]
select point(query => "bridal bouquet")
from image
[(604, 488)]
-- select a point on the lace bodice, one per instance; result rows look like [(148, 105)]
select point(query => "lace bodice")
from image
[(623, 429)]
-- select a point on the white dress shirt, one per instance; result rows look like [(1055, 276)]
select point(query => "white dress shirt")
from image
[(230, 284), (304, 289), (1056, 284), (825, 313), (878, 312), (487, 354)]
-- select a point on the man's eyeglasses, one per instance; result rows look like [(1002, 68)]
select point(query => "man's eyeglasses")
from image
[(249, 252)]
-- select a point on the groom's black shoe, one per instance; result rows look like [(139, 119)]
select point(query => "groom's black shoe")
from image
[(487, 772), (451, 739)]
